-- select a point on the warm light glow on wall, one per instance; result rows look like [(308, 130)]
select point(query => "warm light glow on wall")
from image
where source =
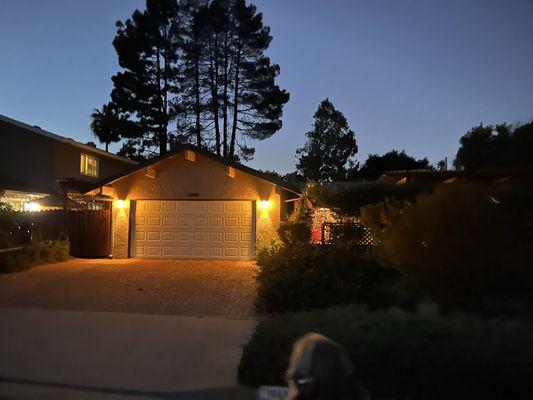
[(121, 204), (265, 205)]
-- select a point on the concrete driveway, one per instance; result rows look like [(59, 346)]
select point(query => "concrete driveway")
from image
[(75, 354), (171, 329), (201, 288)]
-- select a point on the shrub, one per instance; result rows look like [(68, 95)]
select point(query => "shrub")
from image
[(402, 355), (294, 232), (300, 276), (34, 254), (8, 222), (462, 244)]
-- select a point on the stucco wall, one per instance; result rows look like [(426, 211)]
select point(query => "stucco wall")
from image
[(203, 179), (121, 228)]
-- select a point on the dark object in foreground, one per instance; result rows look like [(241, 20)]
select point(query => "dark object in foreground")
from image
[(320, 369)]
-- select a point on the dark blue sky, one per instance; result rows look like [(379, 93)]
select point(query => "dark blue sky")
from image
[(408, 74)]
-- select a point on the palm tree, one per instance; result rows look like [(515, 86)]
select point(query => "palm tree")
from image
[(105, 125)]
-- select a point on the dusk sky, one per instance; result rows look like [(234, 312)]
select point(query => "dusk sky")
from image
[(409, 75)]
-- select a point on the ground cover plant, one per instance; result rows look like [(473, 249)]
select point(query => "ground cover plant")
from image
[(33, 254), (405, 355)]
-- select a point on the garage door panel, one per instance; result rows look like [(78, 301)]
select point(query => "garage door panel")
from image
[(193, 229)]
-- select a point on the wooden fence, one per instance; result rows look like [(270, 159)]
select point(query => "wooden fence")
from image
[(88, 231)]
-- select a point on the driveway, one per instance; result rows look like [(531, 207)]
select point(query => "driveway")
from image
[(171, 329), (85, 354), (201, 288)]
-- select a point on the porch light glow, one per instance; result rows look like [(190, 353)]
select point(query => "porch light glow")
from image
[(121, 204), (265, 205)]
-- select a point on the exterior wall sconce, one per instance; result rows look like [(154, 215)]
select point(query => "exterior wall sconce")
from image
[(265, 205), (121, 204)]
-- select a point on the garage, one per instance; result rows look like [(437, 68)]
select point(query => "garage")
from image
[(193, 229), (191, 203)]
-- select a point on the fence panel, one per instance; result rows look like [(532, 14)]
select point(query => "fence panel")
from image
[(349, 233), (87, 230)]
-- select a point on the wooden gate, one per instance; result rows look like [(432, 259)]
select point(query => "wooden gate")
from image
[(89, 231)]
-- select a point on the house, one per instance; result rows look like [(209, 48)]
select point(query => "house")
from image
[(40, 166), (190, 203)]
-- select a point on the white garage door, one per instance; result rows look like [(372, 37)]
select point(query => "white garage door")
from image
[(193, 229)]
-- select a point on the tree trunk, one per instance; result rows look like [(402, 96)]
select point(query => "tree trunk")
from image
[(225, 111), (163, 141), (214, 93), (165, 89), (161, 137), (235, 104), (197, 97)]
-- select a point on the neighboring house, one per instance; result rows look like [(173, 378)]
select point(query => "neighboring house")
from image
[(37, 165), (190, 203)]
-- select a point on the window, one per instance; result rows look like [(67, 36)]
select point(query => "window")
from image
[(89, 165)]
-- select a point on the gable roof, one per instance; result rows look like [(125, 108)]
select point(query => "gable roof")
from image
[(203, 152), (72, 142)]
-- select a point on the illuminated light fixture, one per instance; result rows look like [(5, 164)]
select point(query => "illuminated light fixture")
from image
[(121, 204), (33, 207), (265, 205)]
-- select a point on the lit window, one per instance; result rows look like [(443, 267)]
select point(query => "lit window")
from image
[(89, 165)]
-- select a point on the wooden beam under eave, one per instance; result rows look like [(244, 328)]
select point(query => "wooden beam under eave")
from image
[(150, 172), (230, 171), (190, 155)]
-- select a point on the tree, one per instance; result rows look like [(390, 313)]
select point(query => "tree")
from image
[(376, 165), (190, 108), (499, 146), (244, 102), (330, 146), (147, 48), (105, 125), (201, 65)]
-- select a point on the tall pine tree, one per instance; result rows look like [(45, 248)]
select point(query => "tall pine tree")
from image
[(257, 102), (198, 66), (330, 146), (147, 47)]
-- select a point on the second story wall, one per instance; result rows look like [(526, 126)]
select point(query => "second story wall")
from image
[(32, 160), (67, 160), (26, 159)]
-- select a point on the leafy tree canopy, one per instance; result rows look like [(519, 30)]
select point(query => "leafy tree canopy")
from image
[(375, 165), (330, 146), (499, 146)]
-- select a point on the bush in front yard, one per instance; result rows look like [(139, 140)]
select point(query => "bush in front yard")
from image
[(301, 276), (35, 253), (405, 355), (462, 244)]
